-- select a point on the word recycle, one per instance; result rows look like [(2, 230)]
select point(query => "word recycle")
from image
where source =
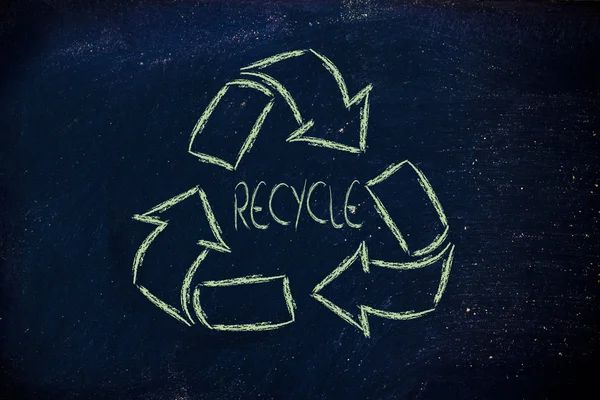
[(254, 78)]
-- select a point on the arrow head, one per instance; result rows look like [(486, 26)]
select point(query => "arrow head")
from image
[(359, 257), (307, 132), (166, 281), (420, 285), (157, 215)]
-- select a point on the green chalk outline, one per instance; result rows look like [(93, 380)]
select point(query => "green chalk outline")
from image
[(246, 280), (362, 320), (446, 268), (299, 134), (187, 282), (274, 59), (184, 315), (385, 215), (274, 83), (172, 311), (218, 245), (250, 139), (421, 263)]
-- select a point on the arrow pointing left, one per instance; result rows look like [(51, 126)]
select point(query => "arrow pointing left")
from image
[(153, 217), (361, 320)]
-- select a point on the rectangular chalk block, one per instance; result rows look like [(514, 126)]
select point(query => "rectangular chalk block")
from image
[(253, 303), (410, 208)]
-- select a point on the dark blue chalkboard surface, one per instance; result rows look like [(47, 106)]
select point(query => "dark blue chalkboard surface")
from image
[(312, 200)]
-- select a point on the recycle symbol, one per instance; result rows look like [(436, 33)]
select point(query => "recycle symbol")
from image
[(253, 77)]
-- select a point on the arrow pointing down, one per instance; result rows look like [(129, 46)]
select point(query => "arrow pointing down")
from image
[(305, 126)]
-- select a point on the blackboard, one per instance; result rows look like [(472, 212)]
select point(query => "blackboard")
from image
[(371, 200)]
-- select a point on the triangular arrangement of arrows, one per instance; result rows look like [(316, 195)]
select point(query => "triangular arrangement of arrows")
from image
[(433, 250), (269, 86)]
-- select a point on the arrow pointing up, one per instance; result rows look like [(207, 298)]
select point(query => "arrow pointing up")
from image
[(361, 319), (153, 217), (183, 314), (305, 126)]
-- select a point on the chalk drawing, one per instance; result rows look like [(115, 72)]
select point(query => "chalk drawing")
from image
[(255, 78), (362, 320)]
